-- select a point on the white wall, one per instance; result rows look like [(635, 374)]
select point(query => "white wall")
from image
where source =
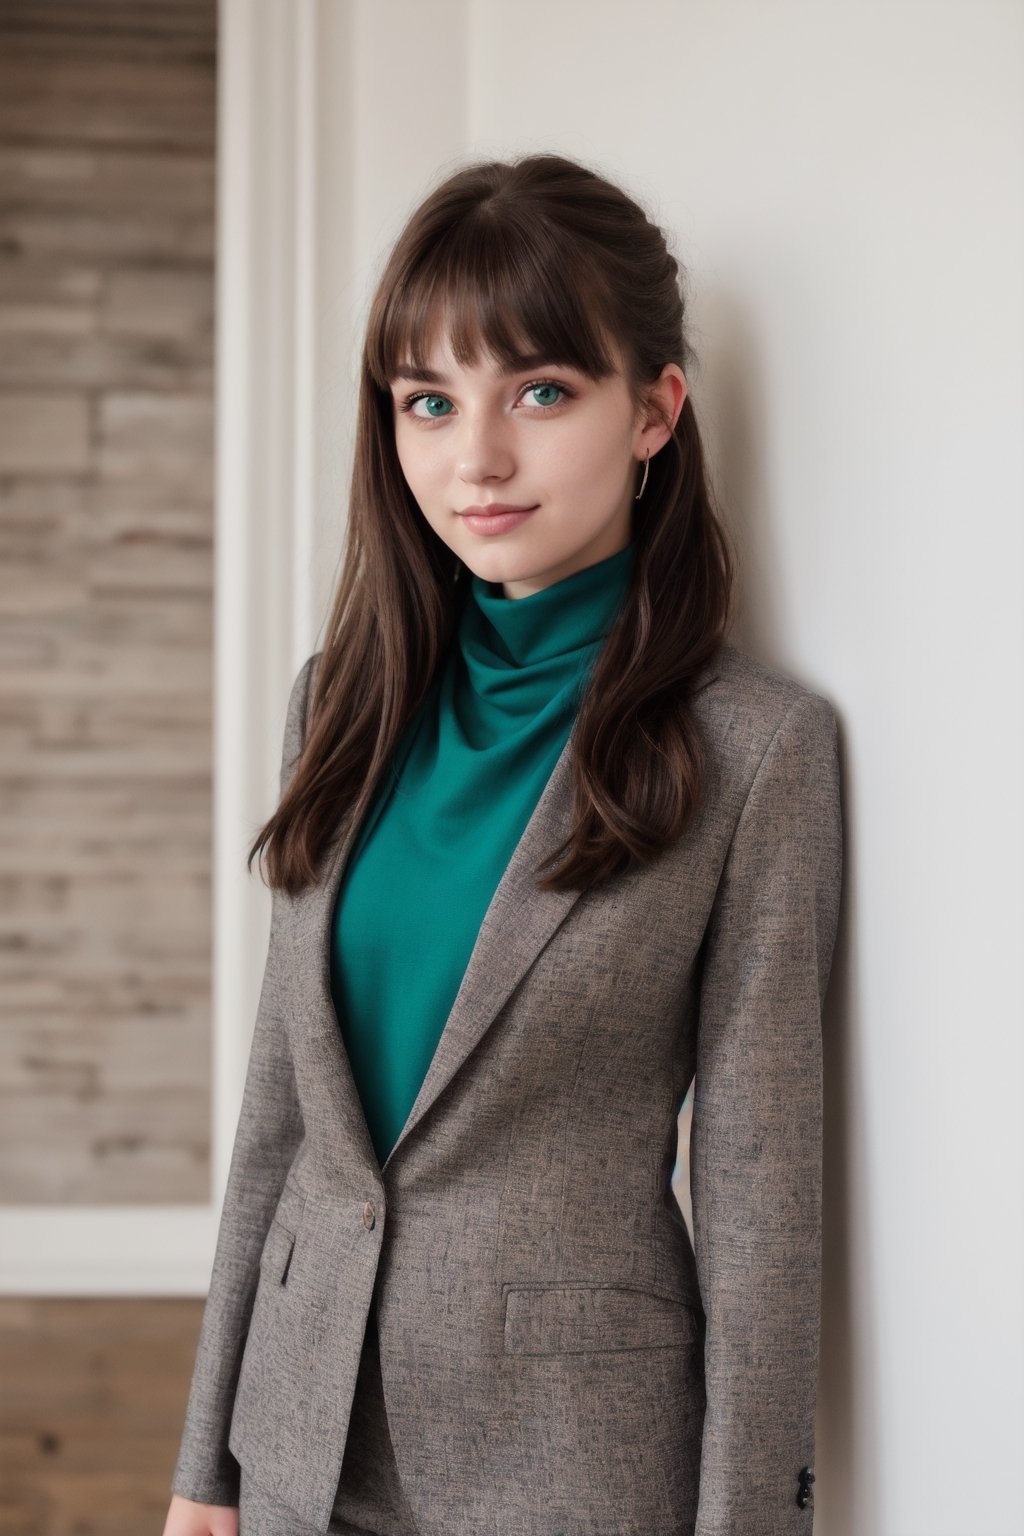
[(844, 186)]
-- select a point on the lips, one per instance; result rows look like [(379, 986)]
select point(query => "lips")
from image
[(496, 519), (494, 509)]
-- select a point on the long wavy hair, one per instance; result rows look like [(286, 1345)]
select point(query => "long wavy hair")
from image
[(535, 255)]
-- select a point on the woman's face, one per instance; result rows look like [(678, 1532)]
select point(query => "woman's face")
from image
[(548, 438)]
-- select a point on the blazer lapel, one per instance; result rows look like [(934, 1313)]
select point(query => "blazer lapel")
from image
[(518, 922)]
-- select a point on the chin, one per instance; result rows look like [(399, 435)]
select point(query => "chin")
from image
[(505, 565)]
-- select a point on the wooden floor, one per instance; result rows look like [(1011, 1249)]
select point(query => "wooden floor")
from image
[(92, 1405)]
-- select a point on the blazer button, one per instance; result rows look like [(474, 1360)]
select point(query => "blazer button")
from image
[(369, 1216), (805, 1497)]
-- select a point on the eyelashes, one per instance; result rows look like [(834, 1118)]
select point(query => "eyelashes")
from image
[(566, 393)]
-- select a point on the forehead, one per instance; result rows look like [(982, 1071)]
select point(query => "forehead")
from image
[(442, 369), (437, 359), (488, 306)]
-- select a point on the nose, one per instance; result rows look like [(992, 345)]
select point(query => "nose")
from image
[(485, 452)]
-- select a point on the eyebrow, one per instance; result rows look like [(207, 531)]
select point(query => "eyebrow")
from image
[(430, 376)]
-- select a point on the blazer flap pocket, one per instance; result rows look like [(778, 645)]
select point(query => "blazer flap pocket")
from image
[(545, 1320)]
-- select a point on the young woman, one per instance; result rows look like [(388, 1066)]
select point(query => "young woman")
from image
[(550, 850)]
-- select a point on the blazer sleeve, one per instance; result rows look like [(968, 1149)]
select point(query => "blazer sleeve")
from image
[(269, 1133), (756, 1132)]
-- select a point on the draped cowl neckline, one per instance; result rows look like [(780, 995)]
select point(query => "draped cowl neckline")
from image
[(523, 657)]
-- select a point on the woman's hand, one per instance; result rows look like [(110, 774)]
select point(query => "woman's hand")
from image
[(187, 1518)]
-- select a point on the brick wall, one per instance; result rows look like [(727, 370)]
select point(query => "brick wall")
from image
[(107, 119)]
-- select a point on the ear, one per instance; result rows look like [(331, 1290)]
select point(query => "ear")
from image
[(664, 402)]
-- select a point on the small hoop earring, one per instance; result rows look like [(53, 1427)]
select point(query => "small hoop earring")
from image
[(643, 482)]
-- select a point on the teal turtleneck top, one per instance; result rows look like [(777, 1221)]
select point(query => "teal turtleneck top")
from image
[(441, 830)]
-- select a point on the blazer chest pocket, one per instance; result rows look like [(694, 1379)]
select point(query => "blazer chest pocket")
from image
[(573, 1319)]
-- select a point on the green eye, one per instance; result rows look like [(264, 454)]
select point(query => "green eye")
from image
[(538, 389), (431, 401)]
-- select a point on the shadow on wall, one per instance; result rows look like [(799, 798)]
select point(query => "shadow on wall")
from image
[(734, 406)]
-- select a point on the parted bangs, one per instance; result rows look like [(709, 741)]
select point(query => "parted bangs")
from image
[(489, 287)]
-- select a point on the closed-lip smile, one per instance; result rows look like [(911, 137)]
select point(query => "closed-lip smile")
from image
[(493, 509)]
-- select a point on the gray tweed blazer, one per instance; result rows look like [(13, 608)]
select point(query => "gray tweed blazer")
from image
[(557, 1357)]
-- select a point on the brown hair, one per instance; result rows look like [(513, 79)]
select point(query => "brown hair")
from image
[(534, 255)]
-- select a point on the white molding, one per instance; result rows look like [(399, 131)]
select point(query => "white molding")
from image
[(105, 1250)]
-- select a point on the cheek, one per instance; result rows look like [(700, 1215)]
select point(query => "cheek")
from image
[(414, 463), (586, 456), (429, 487)]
